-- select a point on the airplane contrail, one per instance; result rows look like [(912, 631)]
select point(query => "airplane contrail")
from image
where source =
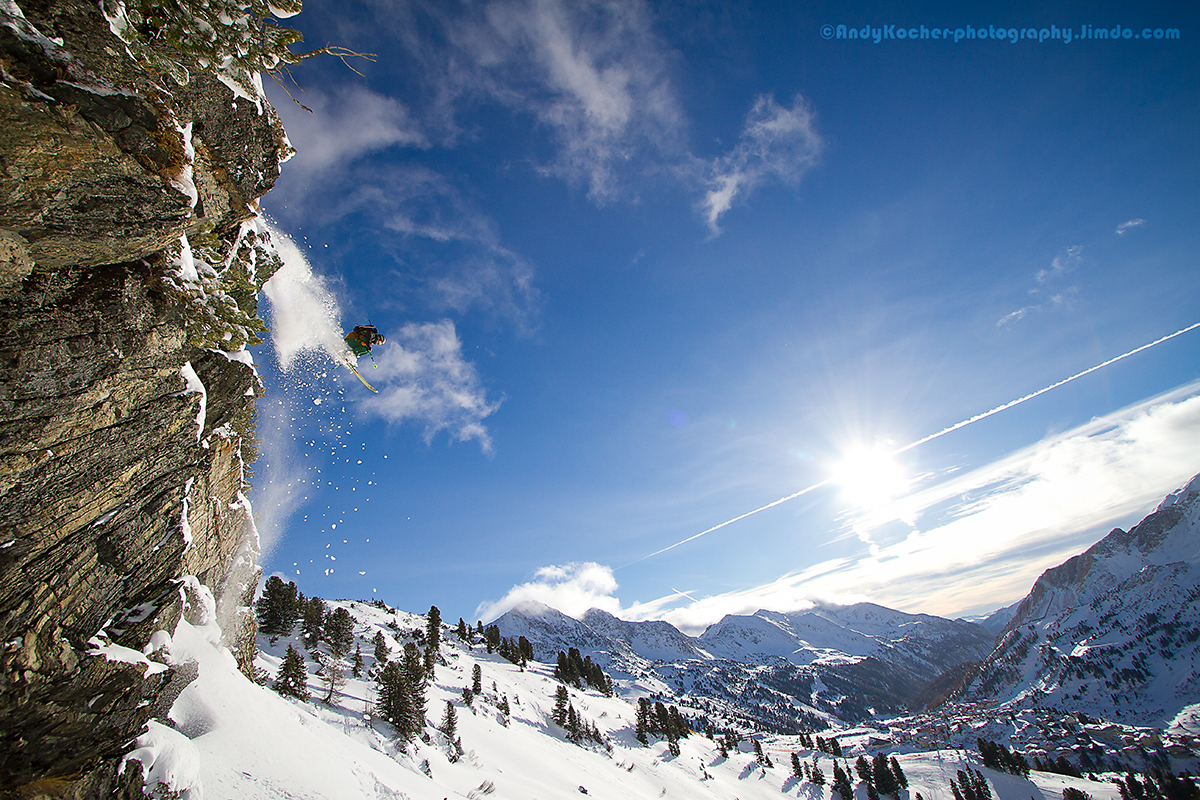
[(928, 438)]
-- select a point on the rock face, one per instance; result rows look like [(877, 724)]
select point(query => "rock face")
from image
[(120, 440)]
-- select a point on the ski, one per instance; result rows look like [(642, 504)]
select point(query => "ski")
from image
[(361, 378)]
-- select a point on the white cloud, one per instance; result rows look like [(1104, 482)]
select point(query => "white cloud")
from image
[(776, 143), (571, 588), (422, 377), (343, 126), (1125, 227)]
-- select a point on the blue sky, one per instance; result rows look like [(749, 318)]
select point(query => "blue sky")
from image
[(645, 268)]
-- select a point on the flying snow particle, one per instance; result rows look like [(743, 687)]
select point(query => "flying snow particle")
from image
[(316, 401)]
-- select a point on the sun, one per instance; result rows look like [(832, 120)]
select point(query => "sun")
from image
[(870, 475)]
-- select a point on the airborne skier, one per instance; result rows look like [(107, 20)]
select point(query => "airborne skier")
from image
[(360, 341), (363, 338)]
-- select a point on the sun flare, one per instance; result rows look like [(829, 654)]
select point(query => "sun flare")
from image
[(870, 475)]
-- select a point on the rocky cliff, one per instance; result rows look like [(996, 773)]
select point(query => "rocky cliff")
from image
[(130, 259)]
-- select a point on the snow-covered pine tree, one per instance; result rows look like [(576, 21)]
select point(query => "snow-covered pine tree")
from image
[(357, 663), (477, 679)]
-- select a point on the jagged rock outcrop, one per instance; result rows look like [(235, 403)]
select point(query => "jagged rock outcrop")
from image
[(120, 440)]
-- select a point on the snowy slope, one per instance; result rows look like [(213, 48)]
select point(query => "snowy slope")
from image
[(235, 739), (1114, 631)]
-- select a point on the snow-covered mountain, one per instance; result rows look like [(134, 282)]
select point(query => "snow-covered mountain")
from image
[(775, 671), (1114, 631), (229, 737)]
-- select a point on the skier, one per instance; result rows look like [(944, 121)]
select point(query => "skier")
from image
[(362, 339)]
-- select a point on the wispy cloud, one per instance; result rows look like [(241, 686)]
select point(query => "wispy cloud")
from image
[(777, 142), (422, 377), (592, 73), (1046, 286), (1129, 225)]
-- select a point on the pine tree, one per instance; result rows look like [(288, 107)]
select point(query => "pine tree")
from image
[(449, 724), (382, 651), (314, 622), (818, 776), (642, 726), (277, 609), (841, 782), (884, 778), (468, 697), (358, 662), (797, 767), (561, 700), (462, 630), (572, 723), (332, 674), (414, 672), (292, 678), (477, 680), (339, 631), (863, 768), (395, 701), (433, 638), (901, 778), (835, 749), (758, 753)]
